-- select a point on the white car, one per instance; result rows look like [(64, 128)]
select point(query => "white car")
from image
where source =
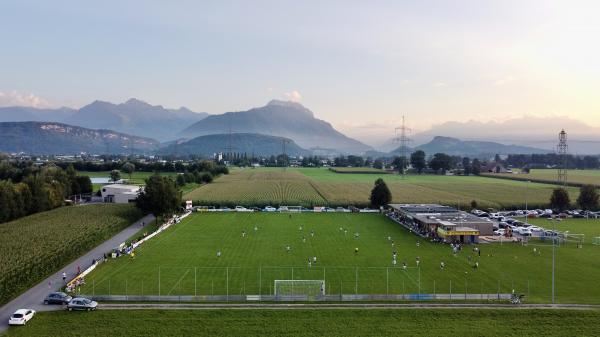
[(21, 317), (270, 209), (524, 231), (241, 209), (499, 232), (536, 229)]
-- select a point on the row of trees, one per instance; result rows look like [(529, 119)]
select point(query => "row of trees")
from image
[(159, 166), (40, 190), (587, 200), (552, 159), (194, 177)]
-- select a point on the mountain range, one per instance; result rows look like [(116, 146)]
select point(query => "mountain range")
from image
[(481, 149), (538, 132), (282, 119), (132, 117), (249, 143), (51, 138)]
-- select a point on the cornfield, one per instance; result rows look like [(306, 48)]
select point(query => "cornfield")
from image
[(35, 246)]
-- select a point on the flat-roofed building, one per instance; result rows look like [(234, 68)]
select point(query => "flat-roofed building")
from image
[(441, 222), (120, 193)]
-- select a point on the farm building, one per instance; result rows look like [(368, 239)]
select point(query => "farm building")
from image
[(441, 222), (120, 193)]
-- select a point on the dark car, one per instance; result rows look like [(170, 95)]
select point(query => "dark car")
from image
[(57, 298), (81, 303)]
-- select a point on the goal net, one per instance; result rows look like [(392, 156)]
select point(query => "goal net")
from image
[(596, 241), (571, 238), (291, 288)]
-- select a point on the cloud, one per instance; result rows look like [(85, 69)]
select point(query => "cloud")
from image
[(15, 98), (293, 96)]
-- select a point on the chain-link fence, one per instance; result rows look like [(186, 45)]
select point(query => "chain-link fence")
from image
[(341, 283)]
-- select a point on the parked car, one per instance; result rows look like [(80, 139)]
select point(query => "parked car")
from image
[(57, 298), (524, 231), (270, 209), (499, 232), (81, 303), (21, 317)]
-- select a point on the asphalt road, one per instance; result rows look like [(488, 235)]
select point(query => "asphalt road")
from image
[(336, 306), (32, 298)]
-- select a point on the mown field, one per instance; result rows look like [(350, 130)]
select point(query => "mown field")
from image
[(137, 178), (37, 245), (320, 186), (343, 323), (546, 175), (183, 260)]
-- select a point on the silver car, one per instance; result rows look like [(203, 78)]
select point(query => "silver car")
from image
[(81, 303)]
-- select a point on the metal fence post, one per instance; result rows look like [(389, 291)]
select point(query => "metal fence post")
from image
[(356, 281), (387, 281), (227, 281), (259, 281)]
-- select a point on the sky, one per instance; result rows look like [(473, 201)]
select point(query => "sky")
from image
[(360, 65)]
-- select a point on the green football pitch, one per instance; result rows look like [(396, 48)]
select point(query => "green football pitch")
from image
[(183, 260)]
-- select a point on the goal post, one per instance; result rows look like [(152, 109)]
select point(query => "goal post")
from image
[(292, 288), (567, 238)]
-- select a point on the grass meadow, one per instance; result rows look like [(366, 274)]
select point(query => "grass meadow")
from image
[(343, 323), (320, 186), (186, 258)]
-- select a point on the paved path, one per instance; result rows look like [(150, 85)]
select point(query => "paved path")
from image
[(335, 306), (32, 298)]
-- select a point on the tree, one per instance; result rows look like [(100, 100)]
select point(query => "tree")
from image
[(440, 162), (180, 180), (400, 163), (378, 164), (115, 175), (128, 168), (160, 196), (588, 197), (476, 167), (417, 160), (560, 199), (466, 164), (380, 195), (474, 204)]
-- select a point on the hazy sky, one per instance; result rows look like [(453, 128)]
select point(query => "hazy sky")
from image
[(357, 64)]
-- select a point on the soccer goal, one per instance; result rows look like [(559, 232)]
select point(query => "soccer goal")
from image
[(596, 241), (294, 288), (571, 238)]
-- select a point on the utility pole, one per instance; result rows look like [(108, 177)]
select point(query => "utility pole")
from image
[(403, 140)]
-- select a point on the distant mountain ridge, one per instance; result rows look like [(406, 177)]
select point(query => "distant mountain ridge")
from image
[(132, 117), (457, 147), (51, 138), (248, 143), (282, 119)]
